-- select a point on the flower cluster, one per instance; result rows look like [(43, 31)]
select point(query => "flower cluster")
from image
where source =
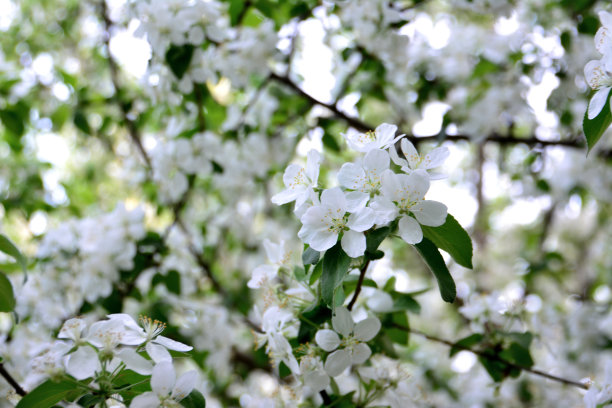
[(598, 73), (98, 355), (370, 194)]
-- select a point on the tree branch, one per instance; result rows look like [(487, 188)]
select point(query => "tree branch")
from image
[(494, 357), (362, 273), (9, 379), (362, 126)]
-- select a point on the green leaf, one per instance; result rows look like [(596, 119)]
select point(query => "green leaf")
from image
[(12, 121), (403, 301), (46, 394), (452, 238), (375, 237), (330, 143), (335, 267), (7, 246), (7, 298), (236, 9), (178, 58), (595, 128), (194, 400), (466, 342), (434, 260), (496, 369), (518, 355), (316, 273), (310, 256), (80, 121), (397, 325)]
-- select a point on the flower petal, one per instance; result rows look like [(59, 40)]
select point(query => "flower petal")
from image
[(431, 213), (356, 200), (361, 220), (361, 352), (184, 385), (342, 321), (334, 199), (172, 344), (83, 363), (158, 353), (313, 160), (353, 243), (436, 157), (322, 240), (367, 329), (410, 230), (146, 400), (337, 362), (163, 378), (135, 361), (376, 161), (411, 153), (327, 339), (598, 101), (351, 176)]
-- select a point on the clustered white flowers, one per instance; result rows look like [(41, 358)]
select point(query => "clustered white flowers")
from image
[(370, 193), (598, 73)]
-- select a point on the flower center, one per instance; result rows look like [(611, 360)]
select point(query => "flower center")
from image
[(151, 327)]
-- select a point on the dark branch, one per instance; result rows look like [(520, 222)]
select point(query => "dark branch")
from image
[(9, 379), (362, 273), (494, 137), (494, 357)]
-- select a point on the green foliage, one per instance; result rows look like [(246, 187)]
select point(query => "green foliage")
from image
[(7, 298), (434, 260), (7, 246), (595, 128), (194, 400), (310, 256), (335, 267), (46, 394), (178, 58), (452, 238)]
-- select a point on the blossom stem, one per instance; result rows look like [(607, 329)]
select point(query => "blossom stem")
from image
[(12, 382), (362, 273), (493, 357)]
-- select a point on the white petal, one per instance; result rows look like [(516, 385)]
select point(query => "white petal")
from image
[(342, 321), (351, 176), (261, 274), (316, 380), (294, 176), (411, 153), (376, 161), (163, 378), (385, 134), (431, 213), (327, 339), (598, 101), (361, 352), (146, 400), (158, 353), (184, 385), (367, 329), (285, 196), (362, 220), (322, 240), (410, 230), (356, 200), (384, 210), (313, 161), (417, 183), (436, 157), (337, 362), (274, 252), (353, 243), (335, 200), (172, 344), (72, 329), (593, 72), (395, 157), (83, 363), (135, 361), (391, 185)]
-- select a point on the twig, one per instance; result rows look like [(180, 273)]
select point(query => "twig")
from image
[(493, 357), (360, 125), (9, 379), (114, 71), (362, 273)]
